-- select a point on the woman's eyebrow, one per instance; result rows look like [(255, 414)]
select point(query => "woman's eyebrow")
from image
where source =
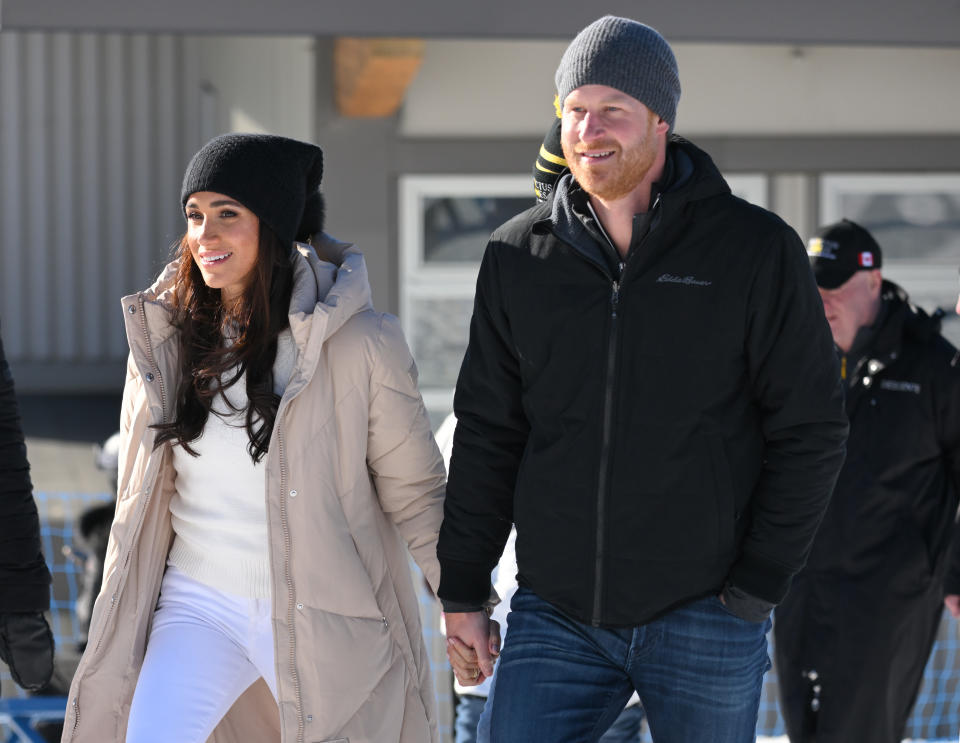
[(221, 202)]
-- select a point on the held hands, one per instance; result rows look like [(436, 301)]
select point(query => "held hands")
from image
[(26, 646), (473, 644), (952, 602)]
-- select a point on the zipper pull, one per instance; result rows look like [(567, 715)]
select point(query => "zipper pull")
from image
[(615, 298)]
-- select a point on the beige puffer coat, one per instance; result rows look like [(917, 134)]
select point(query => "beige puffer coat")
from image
[(353, 477)]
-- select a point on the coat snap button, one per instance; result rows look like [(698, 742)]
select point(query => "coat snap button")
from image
[(309, 718), (132, 309), (293, 493), (149, 376), (867, 381), (300, 606)]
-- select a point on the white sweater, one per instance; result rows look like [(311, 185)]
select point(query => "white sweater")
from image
[(219, 508)]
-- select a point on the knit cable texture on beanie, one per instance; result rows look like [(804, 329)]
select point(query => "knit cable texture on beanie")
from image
[(626, 55), (271, 176)]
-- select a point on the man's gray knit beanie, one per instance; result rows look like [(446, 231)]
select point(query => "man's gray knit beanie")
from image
[(628, 56)]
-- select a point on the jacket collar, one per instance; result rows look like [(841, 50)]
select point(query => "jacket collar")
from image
[(877, 347), (691, 176), (330, 283)]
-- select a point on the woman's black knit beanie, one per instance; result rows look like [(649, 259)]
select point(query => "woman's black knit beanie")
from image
[(271, 176)]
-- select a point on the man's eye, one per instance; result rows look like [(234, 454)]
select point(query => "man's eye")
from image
[(194, 216), (226, 213)]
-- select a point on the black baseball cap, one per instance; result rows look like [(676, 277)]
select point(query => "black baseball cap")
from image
[(839, 250)]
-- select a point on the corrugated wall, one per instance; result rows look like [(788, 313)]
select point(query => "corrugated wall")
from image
[(94, 134)]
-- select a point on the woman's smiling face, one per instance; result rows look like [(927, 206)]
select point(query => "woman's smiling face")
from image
[(224, 240)]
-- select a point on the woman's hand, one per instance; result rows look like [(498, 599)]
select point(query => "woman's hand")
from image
[(473, 644)]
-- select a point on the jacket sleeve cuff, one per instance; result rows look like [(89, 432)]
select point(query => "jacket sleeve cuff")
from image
[(455, 607), (744, 605), (951, 582), (761, 578), (463, 584), (21, 599)]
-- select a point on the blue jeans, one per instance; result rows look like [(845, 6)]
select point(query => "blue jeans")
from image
[(625, 729), (469, 707), (698, 670)]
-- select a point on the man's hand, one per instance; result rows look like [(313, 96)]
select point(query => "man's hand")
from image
[(952, 602), (26, 646), (473, 643)]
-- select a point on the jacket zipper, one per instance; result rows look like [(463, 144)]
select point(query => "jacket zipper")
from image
[(148, 493), (602, 477), (76, 716), (291, 599), (607, 435), (152, 360)]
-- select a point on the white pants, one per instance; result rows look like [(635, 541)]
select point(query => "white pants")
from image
[(205, 648)]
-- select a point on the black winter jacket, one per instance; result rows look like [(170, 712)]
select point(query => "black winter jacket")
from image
[(24, 578), (865, 610), (654, 429), (893, 509)]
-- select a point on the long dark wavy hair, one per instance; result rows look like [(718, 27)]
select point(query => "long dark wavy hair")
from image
[(209, 364)]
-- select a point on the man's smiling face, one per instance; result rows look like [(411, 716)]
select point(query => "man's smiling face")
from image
[(610, 140)]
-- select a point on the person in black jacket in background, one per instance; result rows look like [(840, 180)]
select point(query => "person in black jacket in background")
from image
[(650, 393), (854, 633), (26, 643), (951, 584)]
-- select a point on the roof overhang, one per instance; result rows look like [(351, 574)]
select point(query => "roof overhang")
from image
[(919, 22)]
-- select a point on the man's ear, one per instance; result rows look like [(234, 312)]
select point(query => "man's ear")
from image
[(662, 126), (876, 281)]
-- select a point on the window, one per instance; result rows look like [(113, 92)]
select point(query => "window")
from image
[(445, 222)]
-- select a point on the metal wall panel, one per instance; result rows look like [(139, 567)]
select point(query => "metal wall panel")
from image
[(11, 197), (94, 133)]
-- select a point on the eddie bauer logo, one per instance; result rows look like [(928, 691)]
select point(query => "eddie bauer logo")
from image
[(669, 278)]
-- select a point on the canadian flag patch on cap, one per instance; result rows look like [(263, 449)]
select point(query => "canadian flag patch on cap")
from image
[(866, 260)]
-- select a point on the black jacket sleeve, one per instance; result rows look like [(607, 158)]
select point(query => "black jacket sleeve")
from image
[(951, 581), (24, 578), (948, 412), (488, 444), (795, 377)]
